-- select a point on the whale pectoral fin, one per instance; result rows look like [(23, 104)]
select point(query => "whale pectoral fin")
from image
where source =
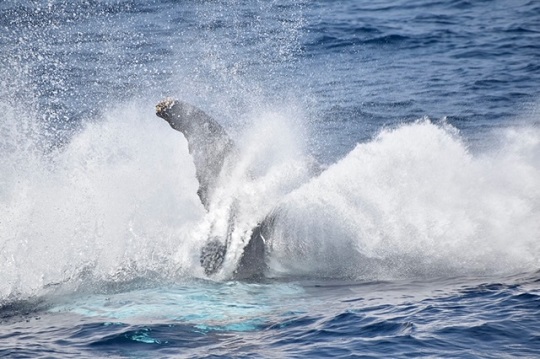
[(208, 143)]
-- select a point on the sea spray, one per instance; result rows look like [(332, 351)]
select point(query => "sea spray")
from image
[(118, 201), (120, 197), (414, 202)]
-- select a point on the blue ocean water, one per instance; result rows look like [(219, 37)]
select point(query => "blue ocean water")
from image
[(419, 239)]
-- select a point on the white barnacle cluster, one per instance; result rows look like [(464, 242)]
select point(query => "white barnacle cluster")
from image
[(164, 105)]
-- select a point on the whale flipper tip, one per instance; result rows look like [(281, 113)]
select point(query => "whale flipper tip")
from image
[(164, 105)]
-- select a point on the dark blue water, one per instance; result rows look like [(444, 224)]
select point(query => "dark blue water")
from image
[(420, 238)]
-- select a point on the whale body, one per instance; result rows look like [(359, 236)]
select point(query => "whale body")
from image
[(213, 152)]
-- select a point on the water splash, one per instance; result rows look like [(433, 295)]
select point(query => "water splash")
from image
[(120, 195), (119, 202), (415, 202)]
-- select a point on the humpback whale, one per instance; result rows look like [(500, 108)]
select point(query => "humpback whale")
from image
[(214, 152)]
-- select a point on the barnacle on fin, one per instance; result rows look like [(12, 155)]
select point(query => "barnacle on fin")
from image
[(164, 105)]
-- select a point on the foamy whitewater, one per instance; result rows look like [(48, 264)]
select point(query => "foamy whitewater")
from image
[(395, 144)]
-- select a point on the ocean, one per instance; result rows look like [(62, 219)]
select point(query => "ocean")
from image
[(418, 237)]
